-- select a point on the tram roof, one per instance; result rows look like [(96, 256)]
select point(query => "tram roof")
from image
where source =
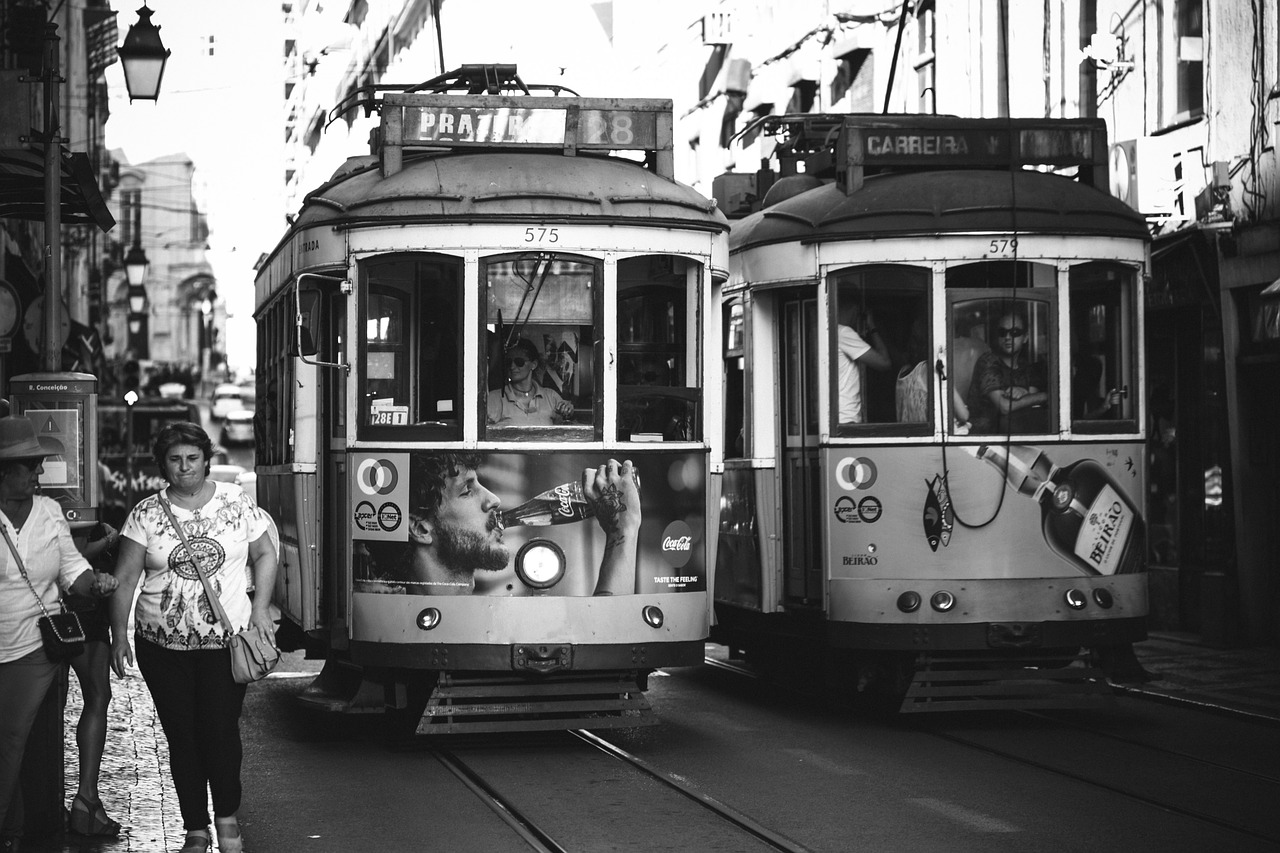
[(941, 202), (462, 186)]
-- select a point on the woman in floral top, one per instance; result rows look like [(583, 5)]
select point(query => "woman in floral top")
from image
[(181, 645)]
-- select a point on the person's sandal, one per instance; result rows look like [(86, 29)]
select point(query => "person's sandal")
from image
[(91, 820), (229, 840), (197, 841)]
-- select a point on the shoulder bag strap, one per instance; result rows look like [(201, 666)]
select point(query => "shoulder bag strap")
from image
[(22, 570), (195, 558)]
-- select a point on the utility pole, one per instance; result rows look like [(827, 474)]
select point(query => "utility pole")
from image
[(51, 360)]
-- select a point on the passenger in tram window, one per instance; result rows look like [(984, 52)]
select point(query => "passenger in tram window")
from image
[(860, 346), (965, 350), (521, 401), (455, 529), (1008, 392), (1086, 382)]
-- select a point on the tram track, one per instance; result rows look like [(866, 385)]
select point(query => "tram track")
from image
[(1173, 779), (569, 763)]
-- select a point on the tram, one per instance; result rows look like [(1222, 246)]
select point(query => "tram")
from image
[(935, 454), (485, 416)]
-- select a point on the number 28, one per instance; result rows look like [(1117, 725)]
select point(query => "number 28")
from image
[(542, 235)]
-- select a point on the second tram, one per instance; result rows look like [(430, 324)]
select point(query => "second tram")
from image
[(484, 415), (934, 412)]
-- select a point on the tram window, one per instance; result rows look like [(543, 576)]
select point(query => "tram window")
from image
[(735, 403), (1103, 366), (410, 360), (540, 312), (1002, 375), (880, 349), (658, 393)]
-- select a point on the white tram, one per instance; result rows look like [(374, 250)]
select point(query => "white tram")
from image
[(492, 324), (933, 337)]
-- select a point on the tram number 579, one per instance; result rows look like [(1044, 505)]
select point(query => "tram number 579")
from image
[(542, 234), (1002, 247)]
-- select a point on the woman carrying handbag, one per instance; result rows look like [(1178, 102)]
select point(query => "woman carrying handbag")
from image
[(181, 641), (37, 558)]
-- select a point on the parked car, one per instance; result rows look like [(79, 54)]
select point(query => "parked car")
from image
[(226, 398), (173, 390), (237, 427)]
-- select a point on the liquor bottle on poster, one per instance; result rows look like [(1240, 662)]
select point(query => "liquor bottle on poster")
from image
[(1086, 517), (564, 504)]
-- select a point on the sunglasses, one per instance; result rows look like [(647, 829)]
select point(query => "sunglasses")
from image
[(517, 361), (1015, 332)]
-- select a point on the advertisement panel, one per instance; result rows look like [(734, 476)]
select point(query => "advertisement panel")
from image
[(999, 510), (551, 523)]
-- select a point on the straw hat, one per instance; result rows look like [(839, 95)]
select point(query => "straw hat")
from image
[(18, 440)]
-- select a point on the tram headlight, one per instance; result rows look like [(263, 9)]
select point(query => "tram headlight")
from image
[(540, 563), (1104, 598), (942, 601), (909, 602), (1075, 599), (652, 615), (429, 618)]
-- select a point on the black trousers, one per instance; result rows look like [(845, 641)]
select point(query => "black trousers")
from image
[(199, 707)]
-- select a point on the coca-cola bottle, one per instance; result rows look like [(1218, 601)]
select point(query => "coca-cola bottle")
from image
[(1085, 516), (564, 504)]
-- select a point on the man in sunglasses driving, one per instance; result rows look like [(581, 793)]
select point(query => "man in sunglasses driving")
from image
[(521, 401), (1008, 394)]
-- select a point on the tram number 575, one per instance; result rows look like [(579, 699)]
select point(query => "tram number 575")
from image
[(542, 234), (1002, 247)]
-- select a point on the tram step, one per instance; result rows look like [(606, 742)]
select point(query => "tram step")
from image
[(460, 704), (990, 683)]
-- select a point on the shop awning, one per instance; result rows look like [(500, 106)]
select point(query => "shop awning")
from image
[(22, 189)]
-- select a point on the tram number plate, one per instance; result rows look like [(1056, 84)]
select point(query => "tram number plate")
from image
[(541, 234), (1013, 635), (1001, 247), (541, 658)]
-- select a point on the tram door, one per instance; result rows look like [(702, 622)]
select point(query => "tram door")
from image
[(798, 434)]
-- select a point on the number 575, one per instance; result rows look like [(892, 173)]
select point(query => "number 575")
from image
[(542, 235)]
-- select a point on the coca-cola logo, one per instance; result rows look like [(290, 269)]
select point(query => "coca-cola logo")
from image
[(566, 503), (677, 544)]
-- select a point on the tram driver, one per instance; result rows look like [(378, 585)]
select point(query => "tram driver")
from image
[(1008, 392), (455, 529), (522, 401)]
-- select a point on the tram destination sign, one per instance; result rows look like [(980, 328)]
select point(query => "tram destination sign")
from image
[(487, 121), (926, 141)]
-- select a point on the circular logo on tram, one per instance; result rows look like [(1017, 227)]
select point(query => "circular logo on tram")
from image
[(854, 473), (389, 516), (677, 544), (377, 476)]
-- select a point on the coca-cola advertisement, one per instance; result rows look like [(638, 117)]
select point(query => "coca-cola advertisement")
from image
[(515, 524)]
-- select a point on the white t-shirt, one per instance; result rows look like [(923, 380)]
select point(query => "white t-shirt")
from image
[(50, 556), (173, 610), (849, 375)]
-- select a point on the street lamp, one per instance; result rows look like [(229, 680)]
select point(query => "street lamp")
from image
[(143, 56), (135, 272)]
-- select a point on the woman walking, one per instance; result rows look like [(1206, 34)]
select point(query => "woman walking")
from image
[(181, 645), (37, 558)]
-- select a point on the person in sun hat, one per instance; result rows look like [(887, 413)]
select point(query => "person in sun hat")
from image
[(38, 562)]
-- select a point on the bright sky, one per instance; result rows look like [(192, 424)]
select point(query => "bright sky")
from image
[(220, 103)]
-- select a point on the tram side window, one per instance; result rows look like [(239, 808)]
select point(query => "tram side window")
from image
[(880, 349), (1002, 376), (411, 359), (735, 381), (658, 389), (540, 315), (1103, 366)]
